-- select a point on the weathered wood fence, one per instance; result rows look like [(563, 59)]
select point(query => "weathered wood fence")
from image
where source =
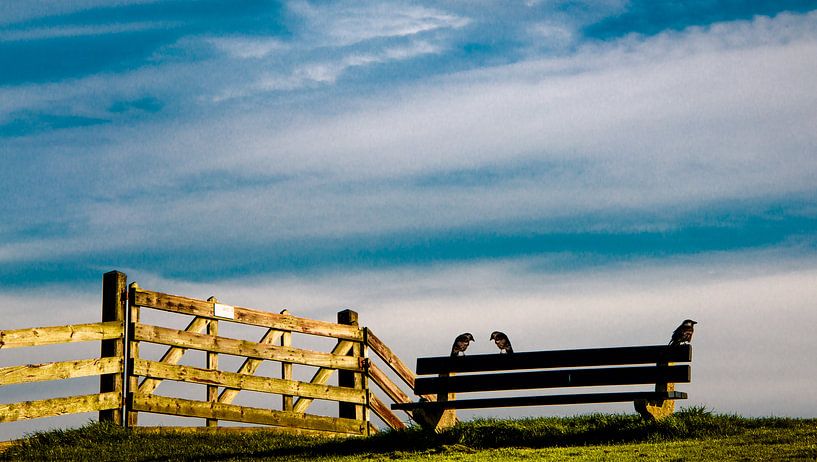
[(129, 380), (109, 366)]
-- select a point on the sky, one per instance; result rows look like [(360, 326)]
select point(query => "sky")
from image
[(574, 173)]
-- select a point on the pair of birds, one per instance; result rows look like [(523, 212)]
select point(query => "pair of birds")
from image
[(463, 340), (682, 334)]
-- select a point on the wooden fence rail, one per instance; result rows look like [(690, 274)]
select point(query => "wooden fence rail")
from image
[(276, 345), (109, 366), (129, 380)]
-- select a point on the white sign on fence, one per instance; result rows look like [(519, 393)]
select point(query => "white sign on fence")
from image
[(223, 311)]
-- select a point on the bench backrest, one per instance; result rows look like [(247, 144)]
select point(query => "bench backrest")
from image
[(555, 369)]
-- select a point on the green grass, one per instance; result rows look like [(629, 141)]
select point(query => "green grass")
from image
[(691, 434)]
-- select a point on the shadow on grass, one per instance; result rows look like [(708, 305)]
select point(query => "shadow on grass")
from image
[(107, 442)]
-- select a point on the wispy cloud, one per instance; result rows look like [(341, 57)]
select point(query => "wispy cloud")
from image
[(348, 23), (45, 33), (328, 72), (248, 47)]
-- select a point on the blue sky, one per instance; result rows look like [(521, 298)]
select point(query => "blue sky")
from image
[(449, 154)]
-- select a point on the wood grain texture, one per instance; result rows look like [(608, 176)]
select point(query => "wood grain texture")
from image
[(284, 322), (36, 336), (392, 360), (246, 382), (231, 412), (249, 366), (381, 410), (173, 355), (322, 375), (226, 345), (59, 406), (60, 370)]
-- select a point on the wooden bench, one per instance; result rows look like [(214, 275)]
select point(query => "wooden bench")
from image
[(563, 369)]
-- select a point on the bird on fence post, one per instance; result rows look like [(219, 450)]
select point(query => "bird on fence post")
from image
[(502, 342), (461, 344), (683, 333)]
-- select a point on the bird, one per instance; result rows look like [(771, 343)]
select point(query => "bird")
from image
[(461, 344), (502, 342), (683, 334)]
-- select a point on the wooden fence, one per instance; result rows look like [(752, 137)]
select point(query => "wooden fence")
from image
[(360, 380), (108, 365)]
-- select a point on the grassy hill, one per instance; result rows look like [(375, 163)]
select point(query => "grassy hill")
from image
[(692, 434)]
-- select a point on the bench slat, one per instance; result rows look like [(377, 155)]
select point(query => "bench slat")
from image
[(585, 398), (556, 358), (553, 379)]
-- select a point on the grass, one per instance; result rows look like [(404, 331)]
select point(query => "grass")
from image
[(691, 434)]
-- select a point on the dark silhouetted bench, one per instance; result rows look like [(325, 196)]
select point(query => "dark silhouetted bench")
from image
[(612, 368)]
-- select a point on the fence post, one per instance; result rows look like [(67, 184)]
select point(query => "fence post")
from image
[(212, 364), (364, 379), (348, 378), (131, 418), (114, 298), (286, 368)]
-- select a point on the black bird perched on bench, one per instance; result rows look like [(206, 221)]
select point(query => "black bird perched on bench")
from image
[(461, 344), (683, 334), (502, 342)]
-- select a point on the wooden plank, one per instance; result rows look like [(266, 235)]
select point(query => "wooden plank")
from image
[(59, 406), (173, 355), (249, 366), (391, 359), (322, 375), (60, 370), (584, 398), (231, 412), (554, 379), (381, 410), (382, 380), (226, 345), (651, 354), (246, 382), (36, 336), (285, 322)]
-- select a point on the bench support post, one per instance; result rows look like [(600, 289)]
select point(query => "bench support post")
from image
[(659, 409), (438, 419)]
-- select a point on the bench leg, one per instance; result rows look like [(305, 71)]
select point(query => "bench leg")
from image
[(657, 410), (438, 420)]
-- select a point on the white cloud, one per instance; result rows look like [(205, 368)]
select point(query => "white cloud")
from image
[(348, 23), (248, 47), (667, 125), (33, 9), (79, 31), (327, 72)]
